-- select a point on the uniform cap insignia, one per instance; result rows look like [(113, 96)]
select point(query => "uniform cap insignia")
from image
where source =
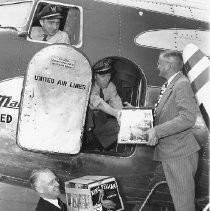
[(53, 8), (107, 63)]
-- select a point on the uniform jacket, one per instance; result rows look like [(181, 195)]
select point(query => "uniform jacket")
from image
[(44, 205), (110, 96), (175, 116)]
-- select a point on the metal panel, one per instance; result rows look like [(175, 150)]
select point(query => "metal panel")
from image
[(54, 100), (10, 91)]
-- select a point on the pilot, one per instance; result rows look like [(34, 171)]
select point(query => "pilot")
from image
[(49, 19), (47, 186), (104, 106)]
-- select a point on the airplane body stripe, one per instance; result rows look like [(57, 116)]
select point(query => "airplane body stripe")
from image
[(201, 80), (198, 68), (202, 96), (193, 60), (206, 116)]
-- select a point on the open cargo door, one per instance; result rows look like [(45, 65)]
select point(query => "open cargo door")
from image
[(54, 100)]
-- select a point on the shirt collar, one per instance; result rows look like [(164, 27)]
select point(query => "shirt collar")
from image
[(53, 201), (172, 77), (41, 33)]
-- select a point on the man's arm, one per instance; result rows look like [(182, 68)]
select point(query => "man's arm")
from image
[(106, 108), (97, 103)]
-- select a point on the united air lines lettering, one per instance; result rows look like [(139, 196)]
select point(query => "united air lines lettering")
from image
[(77, 86), (59, 82), (44, 79), (63, 83), (71, 84)]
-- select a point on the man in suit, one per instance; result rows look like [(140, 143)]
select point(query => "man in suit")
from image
[(176, 147), (49, 19), (46, 184)]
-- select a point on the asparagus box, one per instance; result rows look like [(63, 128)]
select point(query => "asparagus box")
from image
[(93, 193)]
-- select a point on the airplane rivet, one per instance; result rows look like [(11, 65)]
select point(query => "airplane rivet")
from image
[(141, 13)]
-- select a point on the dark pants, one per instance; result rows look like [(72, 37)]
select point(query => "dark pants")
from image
[(105, 127)]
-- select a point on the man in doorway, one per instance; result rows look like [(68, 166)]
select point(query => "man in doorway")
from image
[(176, 146), (47, 186), (104, 105), (49, 19)]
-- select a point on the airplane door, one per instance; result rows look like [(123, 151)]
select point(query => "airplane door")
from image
[(54, 100)]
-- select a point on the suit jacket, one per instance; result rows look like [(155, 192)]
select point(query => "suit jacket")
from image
[(44, 205), (175, 116)]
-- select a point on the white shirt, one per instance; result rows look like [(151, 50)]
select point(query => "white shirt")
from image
[(110, 96), (53, 201), (37, 33)]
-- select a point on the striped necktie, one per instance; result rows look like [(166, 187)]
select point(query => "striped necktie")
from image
[(163, 88)]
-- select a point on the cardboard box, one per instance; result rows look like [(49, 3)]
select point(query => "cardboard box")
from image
[(93, 193)]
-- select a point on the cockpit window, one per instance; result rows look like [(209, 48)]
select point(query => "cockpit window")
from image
[(15, 15), (70, 25)]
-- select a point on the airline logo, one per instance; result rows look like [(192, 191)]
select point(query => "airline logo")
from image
[(53, 8), (6, 101), (197, 66)]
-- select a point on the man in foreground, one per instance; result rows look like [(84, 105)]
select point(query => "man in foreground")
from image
[(176, 146), (49, 19), (46, 184)]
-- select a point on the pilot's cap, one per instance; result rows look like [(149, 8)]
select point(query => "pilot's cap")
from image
[(103, 67), (50, 12)]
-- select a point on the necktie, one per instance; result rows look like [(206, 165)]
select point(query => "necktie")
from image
[(45, 37), (61, 204), (102, 115), (163, 88), (101, 94)]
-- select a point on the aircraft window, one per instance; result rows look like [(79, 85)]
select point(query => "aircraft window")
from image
[(20, 13), (70, 23)]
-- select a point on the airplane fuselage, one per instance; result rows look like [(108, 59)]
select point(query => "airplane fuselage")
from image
[(134, 33)]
